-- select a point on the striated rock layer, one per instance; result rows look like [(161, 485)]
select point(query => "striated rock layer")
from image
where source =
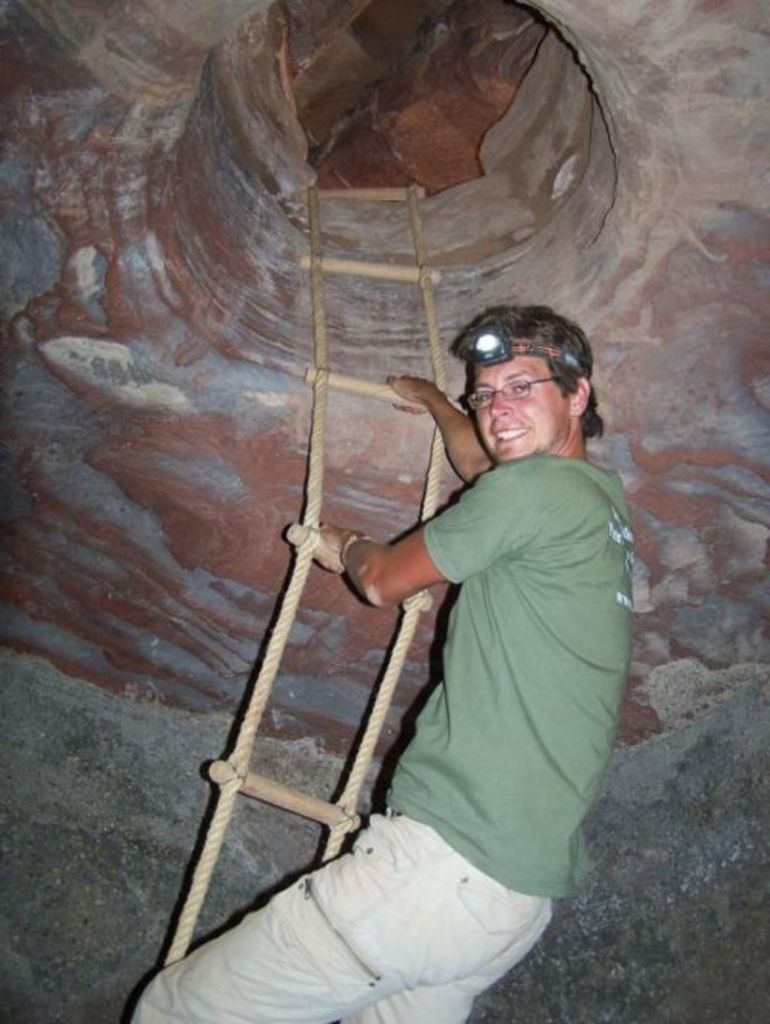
[(605, 158)]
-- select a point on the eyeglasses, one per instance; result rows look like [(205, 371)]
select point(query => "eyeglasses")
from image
[(511, 392)]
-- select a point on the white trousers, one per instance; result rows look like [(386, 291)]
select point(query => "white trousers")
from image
[(403, 930)]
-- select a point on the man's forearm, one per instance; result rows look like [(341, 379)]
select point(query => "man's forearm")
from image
[(462, 444), (386, 574), (463, 447), (383, 574)]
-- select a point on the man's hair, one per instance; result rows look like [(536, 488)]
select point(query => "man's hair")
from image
[(542, 327)]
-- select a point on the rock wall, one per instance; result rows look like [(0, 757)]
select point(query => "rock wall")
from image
[(158, 326)]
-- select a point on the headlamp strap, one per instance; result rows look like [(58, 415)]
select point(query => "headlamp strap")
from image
[(524, 348)]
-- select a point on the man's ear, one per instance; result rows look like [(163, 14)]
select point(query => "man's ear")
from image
[(579, 400)]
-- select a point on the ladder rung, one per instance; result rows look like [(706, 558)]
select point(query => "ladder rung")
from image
[(362, 268), (261, 788), (367, 388), (377, 195)]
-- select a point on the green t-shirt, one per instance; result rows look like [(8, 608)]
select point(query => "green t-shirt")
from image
[(511, 748)]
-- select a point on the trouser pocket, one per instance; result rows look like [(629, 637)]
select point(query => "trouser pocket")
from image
[(497, 910), (501, 925), (356, 963)]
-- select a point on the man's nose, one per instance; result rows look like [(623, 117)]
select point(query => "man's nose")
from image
[(499, 401)]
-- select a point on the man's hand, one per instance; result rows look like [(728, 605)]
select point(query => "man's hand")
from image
[(329, 552), (415, 389)]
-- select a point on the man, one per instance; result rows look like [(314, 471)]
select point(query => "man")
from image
[(453, 886)]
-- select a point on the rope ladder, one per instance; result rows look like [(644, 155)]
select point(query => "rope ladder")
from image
[(232, 775)]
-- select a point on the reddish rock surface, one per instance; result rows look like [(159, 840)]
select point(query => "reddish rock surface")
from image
[(157, 321)]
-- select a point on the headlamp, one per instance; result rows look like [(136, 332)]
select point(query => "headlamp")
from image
[(493, 343), (488, 345)]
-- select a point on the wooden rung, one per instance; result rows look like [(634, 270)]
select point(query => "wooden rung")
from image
[(261, 788), (377, 195), (367, 388), (362, 268)]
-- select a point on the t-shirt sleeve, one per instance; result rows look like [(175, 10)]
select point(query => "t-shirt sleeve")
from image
[(492, 519)]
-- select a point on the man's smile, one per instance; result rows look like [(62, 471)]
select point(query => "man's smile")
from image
[(509, 433)]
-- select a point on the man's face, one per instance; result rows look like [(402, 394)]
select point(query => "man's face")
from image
[(546, 422)]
